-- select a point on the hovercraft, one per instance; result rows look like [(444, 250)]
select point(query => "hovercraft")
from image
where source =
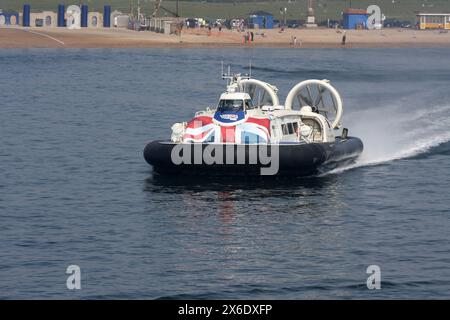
[(251, 133)]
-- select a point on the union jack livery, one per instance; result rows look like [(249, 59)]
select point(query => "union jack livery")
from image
[(205, 129), (249, 132)]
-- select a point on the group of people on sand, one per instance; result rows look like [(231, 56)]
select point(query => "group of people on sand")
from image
[(248, 37)]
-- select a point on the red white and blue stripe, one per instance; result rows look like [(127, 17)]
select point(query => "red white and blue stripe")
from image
[(203, 129)]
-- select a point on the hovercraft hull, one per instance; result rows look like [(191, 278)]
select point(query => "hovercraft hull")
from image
[(169, 158)]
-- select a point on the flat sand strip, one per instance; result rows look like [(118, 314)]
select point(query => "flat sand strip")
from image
[(274, 38), (41, 34)]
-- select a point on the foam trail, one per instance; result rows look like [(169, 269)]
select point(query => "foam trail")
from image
[(395, 132)]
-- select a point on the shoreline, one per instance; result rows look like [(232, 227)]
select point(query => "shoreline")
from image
[(18, 37)]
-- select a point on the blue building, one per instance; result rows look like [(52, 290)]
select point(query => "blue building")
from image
[(9, 18), (264, 20), (355, 19)]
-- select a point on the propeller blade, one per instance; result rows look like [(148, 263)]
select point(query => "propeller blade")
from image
[(299, 101), (263, 97), (308, 89), (320, 96), (250, 89), (334, 102), (305, 99)]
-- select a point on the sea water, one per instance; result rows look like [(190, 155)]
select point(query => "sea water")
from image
[(75, 189)]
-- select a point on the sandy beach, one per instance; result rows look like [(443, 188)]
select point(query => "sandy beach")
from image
[(19, 37)]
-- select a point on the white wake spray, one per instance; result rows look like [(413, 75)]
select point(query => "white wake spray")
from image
[(396, 132)]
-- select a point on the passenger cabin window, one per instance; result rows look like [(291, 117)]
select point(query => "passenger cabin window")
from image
[(249, 104), (227, 105), (290, 128)]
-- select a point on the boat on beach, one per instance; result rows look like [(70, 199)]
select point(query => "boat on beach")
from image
[(250, 133)]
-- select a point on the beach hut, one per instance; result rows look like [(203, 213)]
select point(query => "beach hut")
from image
[(433, 21), (9, 18), (43, 19), (73, 17), (95, 20), (355, 19), (26, 15), (107, 16), (2, 19), (261, 20)]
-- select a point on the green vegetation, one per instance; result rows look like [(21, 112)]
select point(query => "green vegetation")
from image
[(296, 9)]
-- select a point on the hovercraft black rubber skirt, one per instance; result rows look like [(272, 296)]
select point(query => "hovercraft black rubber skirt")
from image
[(169, 158)]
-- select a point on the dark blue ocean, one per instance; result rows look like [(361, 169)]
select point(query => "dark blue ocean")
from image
[(75, 189)]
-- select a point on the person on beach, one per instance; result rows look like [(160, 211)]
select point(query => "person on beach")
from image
[(245, 38), (344, 38)]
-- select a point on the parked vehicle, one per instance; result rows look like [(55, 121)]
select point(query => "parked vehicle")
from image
[(395, 23)]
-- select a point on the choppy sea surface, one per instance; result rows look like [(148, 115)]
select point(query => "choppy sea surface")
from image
[(75, 189)]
